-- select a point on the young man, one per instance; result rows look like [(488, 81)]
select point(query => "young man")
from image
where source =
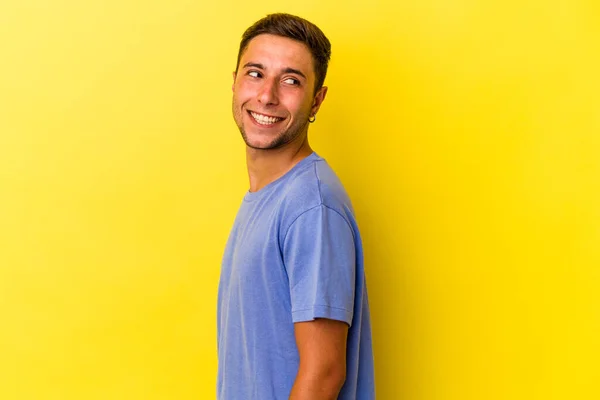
[(293, 316)]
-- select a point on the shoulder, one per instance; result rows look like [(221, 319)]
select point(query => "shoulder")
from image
[(314, 186)]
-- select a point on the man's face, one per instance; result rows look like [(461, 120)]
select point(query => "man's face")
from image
[(273, 92)]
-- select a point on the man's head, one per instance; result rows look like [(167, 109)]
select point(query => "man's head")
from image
[(296, 28), (278, 81)]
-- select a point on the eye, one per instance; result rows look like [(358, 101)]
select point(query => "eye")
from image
[(292, 81), (254, 74)]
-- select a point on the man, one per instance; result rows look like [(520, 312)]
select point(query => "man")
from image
[(293, 316)]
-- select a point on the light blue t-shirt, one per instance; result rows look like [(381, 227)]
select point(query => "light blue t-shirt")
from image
[(294, 254)]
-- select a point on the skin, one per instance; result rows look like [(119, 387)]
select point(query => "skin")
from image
[(322, 348), (276, 78), (264, 84)]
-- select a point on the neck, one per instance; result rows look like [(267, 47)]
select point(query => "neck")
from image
[(266, 166)]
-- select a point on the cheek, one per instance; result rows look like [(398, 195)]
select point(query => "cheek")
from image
[(295, 103), (239, 98), (302, 106), (245, 93), (246, 86)]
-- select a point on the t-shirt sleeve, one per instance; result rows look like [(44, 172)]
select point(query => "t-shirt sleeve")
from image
[(320, 259)]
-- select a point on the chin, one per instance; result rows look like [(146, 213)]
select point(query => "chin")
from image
[(256, 143), (261, 145)]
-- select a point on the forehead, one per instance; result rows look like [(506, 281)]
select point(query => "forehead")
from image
[(278, 53)]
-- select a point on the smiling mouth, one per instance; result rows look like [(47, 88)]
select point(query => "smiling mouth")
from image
[(264, 120)]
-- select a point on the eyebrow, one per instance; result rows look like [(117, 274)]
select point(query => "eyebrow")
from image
[(287, 70)]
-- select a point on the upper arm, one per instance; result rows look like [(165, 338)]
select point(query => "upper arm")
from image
[(322, 346), (320, 259)]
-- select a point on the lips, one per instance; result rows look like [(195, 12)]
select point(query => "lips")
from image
[(264, 120)]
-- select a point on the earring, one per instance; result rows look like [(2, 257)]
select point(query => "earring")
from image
[(312, 119)]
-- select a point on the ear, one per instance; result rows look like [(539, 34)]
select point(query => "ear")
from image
[(319, 97), (233, 84)]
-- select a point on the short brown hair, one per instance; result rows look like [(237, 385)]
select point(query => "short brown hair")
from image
[(296, 28)]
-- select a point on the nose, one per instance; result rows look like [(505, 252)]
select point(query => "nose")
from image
[(268, 92)]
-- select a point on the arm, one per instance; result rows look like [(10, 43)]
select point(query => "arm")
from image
[(322, 349)]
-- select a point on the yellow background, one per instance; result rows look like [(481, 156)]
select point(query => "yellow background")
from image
[(466, 132)]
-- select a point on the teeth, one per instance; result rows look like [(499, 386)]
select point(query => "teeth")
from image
[(264, 120)]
